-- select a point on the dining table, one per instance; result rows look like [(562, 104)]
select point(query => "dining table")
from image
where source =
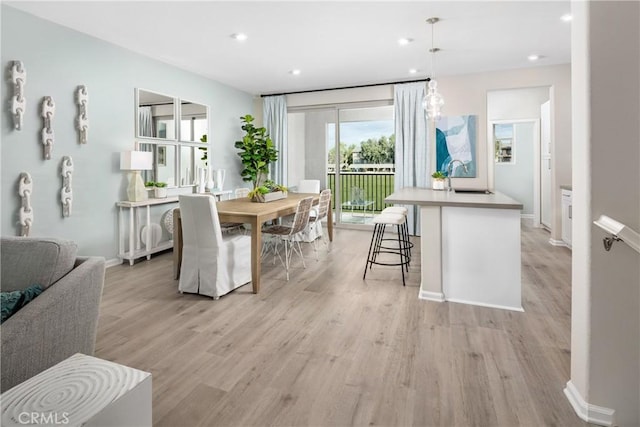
[(244, 211)]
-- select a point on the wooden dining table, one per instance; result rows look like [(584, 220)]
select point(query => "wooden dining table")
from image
[(244, 211)]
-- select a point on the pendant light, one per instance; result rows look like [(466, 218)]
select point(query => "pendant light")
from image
[(433, 101)]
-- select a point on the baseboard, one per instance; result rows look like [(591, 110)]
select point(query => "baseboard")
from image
[(555, 242), (526, 216), (589, 413), (481, 304), (113, 262), (431, 296)]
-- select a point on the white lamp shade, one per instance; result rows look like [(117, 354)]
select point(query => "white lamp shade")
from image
[(136, 160)]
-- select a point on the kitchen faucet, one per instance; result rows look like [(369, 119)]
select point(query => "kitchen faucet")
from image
[(450, 171)]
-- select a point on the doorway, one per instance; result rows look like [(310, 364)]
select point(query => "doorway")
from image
[(515, 147), (520, 113)]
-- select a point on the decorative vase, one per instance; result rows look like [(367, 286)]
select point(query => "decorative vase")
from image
[(202, 180), (210, 185), (160, 192), (437, 184)]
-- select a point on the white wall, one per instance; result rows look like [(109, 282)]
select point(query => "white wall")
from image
[(605, 347), (516, 179), (57, 60), (295, 150), (516, 104)]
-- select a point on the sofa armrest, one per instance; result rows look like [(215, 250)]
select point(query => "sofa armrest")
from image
[(60, 322)]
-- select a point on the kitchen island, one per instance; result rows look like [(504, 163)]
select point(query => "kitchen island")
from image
[(470, 246)]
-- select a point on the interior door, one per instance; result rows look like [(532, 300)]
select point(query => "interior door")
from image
[(545, 164)]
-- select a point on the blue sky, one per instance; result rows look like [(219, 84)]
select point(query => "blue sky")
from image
[(356, 132)]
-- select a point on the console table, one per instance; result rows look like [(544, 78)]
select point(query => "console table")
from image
[(81, 391), (135, 245), (135, 249)]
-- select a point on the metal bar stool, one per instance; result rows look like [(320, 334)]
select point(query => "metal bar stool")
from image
[(402, 211), (375, 247)]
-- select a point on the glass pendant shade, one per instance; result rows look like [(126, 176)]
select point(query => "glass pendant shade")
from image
[(432, 101)]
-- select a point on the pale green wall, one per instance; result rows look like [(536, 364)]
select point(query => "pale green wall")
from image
[(57, 60)]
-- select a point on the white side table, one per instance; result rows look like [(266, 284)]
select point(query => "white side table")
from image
[(81, 391)]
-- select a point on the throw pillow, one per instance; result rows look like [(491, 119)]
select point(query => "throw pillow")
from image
[(11, 302)]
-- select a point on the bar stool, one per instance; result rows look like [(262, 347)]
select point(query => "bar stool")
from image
[(402, 211), (375, 247)]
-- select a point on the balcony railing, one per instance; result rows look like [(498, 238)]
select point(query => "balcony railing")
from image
[(375, 186)]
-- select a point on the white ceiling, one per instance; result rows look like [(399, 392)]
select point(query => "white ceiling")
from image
[(333, 43)]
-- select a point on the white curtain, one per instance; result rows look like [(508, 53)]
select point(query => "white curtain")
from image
[(412, 147), (274, 109), (145, 121)]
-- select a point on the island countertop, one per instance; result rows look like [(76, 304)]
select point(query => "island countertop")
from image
[(428, 197)]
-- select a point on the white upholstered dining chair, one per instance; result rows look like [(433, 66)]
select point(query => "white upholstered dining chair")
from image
[(309, 186), (213, 264)]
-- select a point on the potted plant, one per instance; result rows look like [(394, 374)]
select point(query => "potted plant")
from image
[(160, 189), (437, 182), (257, 153), (268, 192)]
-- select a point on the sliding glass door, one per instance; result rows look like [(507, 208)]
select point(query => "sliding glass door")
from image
[(359, 169)]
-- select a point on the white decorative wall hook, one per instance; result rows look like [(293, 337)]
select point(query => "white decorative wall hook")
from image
[(82, 122), (66, 194), (48, 137), (26, 211), (18, 101)]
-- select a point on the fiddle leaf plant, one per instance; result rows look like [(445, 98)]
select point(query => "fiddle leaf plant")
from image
[(257, 152)]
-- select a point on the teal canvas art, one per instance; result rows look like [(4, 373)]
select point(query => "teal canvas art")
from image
[(456, 140)]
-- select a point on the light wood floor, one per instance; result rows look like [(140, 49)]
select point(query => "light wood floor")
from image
[(329, 349)]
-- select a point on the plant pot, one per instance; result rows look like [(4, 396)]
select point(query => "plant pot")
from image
[(160, 192), (269, 197), (437, 184)]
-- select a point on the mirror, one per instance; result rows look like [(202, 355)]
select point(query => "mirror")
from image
[(191, 159), (177, 160), (156, 115), (164, 163), (194, 122)]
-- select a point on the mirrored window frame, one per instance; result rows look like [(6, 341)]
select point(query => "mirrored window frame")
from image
[(181, 181)]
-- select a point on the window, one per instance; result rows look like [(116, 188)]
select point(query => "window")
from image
[(504, 143)]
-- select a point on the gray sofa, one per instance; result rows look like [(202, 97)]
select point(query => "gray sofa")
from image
[(59, 322)]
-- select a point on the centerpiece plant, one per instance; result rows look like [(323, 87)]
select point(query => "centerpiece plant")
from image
[(257, 152), (438, 180)]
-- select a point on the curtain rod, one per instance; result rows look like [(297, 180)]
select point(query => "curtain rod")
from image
[(345, 87)]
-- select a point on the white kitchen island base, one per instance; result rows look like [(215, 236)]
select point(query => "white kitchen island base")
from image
[(481, 257), (470, 246)]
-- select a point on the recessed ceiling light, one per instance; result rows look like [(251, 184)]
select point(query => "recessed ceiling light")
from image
[(239, 36), (295, 72), (404, 41), (567, 17), (533, 57), (412, 71)]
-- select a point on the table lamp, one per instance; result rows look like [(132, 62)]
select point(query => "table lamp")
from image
[(135, 161)]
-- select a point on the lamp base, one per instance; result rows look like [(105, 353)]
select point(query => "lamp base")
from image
[(136, 191)]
